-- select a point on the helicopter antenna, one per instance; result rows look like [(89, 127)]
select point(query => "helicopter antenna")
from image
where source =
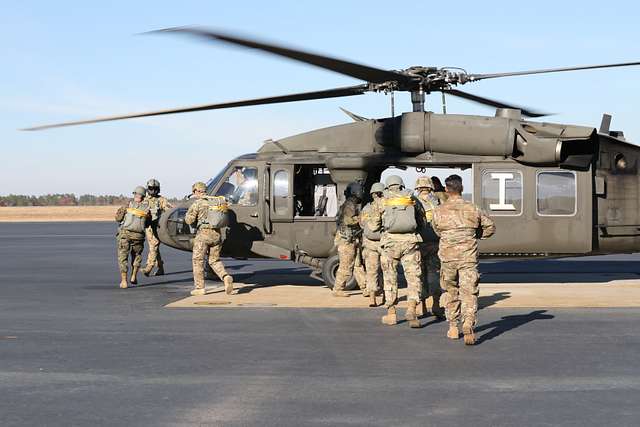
[(444, 103), (393, 105)]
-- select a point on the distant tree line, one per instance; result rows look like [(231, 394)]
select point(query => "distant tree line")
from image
[(64, 200)]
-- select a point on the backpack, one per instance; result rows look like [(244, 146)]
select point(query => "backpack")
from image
[(399, 213), (135, 219), (364, 222), (217, 212)]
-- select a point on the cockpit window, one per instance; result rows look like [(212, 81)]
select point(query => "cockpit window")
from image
[(241, 188)]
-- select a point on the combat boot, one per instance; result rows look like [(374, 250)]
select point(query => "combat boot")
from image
[(228, 284), (134, 275), (159, 270), (372, 299), (339, 293), (123, 281), (469, 336), (436, 309), (147, 270), (198, 291), (453, 333), (366, 293), (391, 317), (410, 316)]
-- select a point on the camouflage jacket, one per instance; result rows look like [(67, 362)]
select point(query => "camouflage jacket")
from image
[(375, 221), (459, 224), (429, 203), (197, 215), (157, 205), (122, 211), (348, 221)]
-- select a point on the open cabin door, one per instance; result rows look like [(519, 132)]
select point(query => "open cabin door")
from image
[(537, 211)]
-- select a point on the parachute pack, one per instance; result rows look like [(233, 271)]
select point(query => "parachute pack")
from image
[(135, 219), (399, 213), (364, 223), (217, 212)]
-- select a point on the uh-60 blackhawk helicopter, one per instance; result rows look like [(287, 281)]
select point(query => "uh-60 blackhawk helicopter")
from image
[(553, 189)]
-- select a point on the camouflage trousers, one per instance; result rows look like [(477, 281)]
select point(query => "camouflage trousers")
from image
[(406, 253), (371, 254), (207, 241), (153, 257), (350, 265), (460, 285), (129, 247), (430, 270)]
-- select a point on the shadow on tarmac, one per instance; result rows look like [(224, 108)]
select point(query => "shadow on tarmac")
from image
[(507, 323)]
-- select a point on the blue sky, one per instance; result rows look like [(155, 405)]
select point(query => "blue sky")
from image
[(68, 60)]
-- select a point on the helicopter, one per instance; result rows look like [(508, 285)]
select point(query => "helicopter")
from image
[(553, 190)]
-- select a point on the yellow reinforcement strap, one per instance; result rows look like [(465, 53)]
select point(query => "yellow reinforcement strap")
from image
[(221, 208), (137, 212), (399, 201)]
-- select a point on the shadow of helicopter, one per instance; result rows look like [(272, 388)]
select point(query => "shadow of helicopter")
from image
[(508, 323)]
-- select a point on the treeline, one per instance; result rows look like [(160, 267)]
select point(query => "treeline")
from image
[(64, 200)]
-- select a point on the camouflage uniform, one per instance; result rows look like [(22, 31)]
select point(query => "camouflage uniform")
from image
[(130, 243), (348, 241), (429, 249), (208, 239), (157, 205), (371, 250), (459, 224)]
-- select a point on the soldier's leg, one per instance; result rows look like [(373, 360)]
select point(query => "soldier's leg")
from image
[(390, 274), (450, 298), (137, 247), (347, 257), (433, 282), (359, 272), (122, 245), (469, 277), (200, 248), (372, 268), (218, 267), (153, 250), (411, 264)]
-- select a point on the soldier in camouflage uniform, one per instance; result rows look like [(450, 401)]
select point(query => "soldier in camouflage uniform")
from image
[(429, 249), (438, 189), (371, 247), (459, 224), (398, 206), (208, 240), (157, 204), (347, 240), (133, 219)]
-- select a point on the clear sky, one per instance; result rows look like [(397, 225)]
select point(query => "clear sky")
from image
[(68, 60)]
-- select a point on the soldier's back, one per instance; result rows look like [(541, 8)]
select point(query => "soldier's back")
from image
[(457, 221)]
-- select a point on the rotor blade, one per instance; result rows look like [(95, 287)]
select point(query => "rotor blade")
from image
[(322, 94), (493, 103), (354, 116), (476, 77), (362, 72)]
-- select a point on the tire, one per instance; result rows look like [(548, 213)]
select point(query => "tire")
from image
[(329, 269)]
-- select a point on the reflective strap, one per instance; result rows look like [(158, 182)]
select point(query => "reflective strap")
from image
[(399, 201), (221, 208), (429, 216), (137, 212)]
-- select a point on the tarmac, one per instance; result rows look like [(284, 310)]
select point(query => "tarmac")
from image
[(76, 350)]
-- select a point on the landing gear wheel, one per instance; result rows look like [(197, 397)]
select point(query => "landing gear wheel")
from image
[(329, 269)]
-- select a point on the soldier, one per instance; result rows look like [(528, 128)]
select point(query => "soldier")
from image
[(429, 249), (208, 216), (398, 221), (157, 204), (133, 220), (459, 224), (438, 189), (347, 240), (371, 249)]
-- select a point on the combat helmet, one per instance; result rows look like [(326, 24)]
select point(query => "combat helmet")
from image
[(423, 182), (377, 187), (393, 180), (199, 186), (153, 187), (354, 189), (140, 190)]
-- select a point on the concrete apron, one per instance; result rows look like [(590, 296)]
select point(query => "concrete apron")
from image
[(615, 293)]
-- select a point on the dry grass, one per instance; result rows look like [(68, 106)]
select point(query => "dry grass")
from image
[(57, 213)]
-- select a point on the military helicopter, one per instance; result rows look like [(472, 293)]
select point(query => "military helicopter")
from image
[(554, 190)]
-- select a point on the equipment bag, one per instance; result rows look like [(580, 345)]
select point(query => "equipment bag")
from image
[(217, 212), (399, 213), (135, 220), (366, 228)]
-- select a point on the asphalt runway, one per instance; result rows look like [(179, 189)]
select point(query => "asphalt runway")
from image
[(76, 350)]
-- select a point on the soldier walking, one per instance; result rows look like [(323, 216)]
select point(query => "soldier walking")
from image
[(157, 205), (208, 215), (371, 248), (459, 224), (429, 249), (347, 240), (133, 219), (398, 220)]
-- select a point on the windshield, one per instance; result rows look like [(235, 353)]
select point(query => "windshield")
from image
[(213, 182), (241, 187)]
